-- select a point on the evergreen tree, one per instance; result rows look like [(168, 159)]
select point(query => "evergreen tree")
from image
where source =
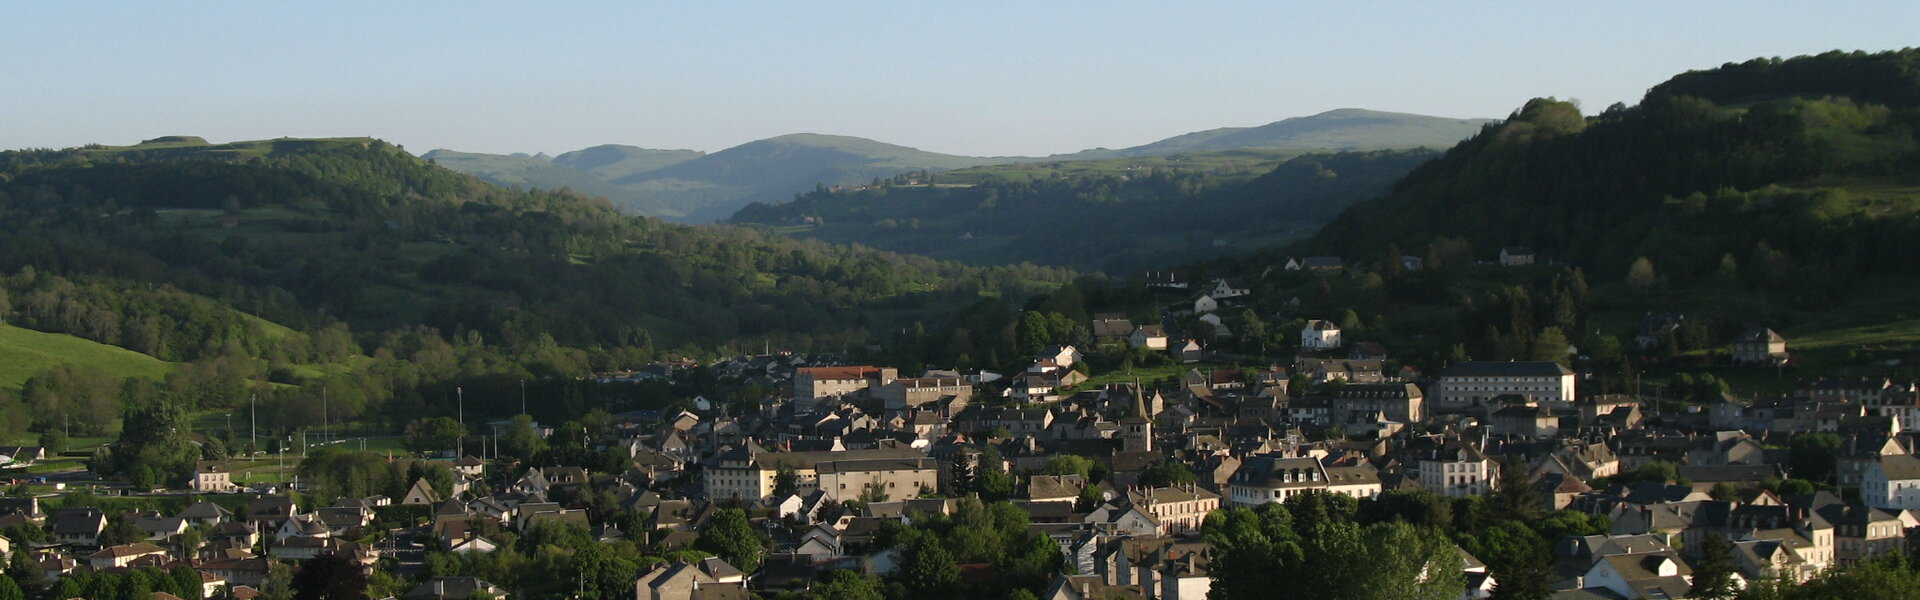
[(1713, 573), (994, 482), (1514, 496)]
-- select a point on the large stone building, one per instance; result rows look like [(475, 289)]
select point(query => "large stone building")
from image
[(901, 394), (813, 383), (890, 478), (1467, 385), (750, 473), (1401, 402)]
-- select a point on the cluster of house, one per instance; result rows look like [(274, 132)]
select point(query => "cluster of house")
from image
[(838, 436), (231, 550), (897, 444)]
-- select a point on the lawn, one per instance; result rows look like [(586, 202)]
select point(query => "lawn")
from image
[(1143, 374), (24, 353)]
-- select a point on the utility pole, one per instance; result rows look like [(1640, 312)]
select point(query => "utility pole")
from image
[(253, 419), (323, 414), (523, 396), (460, 397)]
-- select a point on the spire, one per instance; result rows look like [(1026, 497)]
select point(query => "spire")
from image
[(1139, 408)]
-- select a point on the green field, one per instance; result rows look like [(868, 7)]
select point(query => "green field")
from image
[(25, 352), (1143, 375)]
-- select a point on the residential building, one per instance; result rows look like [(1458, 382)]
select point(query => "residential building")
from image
[(1458, 470), (1319, 334), (1179, 509), (1472, 384), (1267, 478), (212, 476), (1759, 346), (1151, 337), (1892, 482)]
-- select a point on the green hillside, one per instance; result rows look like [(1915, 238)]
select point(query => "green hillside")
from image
[(1782, 193), (355, 276), (1118, 216), (306, 234), (193, 147), (24, 353)]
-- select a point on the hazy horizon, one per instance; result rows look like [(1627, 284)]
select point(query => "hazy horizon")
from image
[(978, 79)]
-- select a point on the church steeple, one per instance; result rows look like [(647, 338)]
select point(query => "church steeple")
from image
[(1136, 429)]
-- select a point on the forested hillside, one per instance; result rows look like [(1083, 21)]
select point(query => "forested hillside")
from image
[(1779, 192), (1117, 220), (282, 260), (1811, 158)]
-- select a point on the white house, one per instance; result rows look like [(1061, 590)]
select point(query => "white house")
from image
[(1205, 304), (1220, 329), (1227, 288), (1516, 256), (1458, 471), (1892, 482), (1319, 334), (1151, 337), (1064, 356), (212, 476)]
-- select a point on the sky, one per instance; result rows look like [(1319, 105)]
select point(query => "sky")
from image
[(978, 78)]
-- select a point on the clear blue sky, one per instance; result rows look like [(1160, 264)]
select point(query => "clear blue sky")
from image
[(959, 77)]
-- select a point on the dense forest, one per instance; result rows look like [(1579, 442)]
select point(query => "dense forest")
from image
[(1116, 222), (306, 233)]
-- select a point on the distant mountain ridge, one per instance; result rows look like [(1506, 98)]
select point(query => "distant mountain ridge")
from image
[(1341, 129), (691, 186), (613, 161)]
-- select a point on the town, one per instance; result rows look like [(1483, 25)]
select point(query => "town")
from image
[(1091, 484)]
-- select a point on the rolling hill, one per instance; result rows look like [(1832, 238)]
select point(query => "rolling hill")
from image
[(25, 353), (614, 161), (1341, 129), (310, 233), (688, 186), (1116, 216), (712, 187)]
